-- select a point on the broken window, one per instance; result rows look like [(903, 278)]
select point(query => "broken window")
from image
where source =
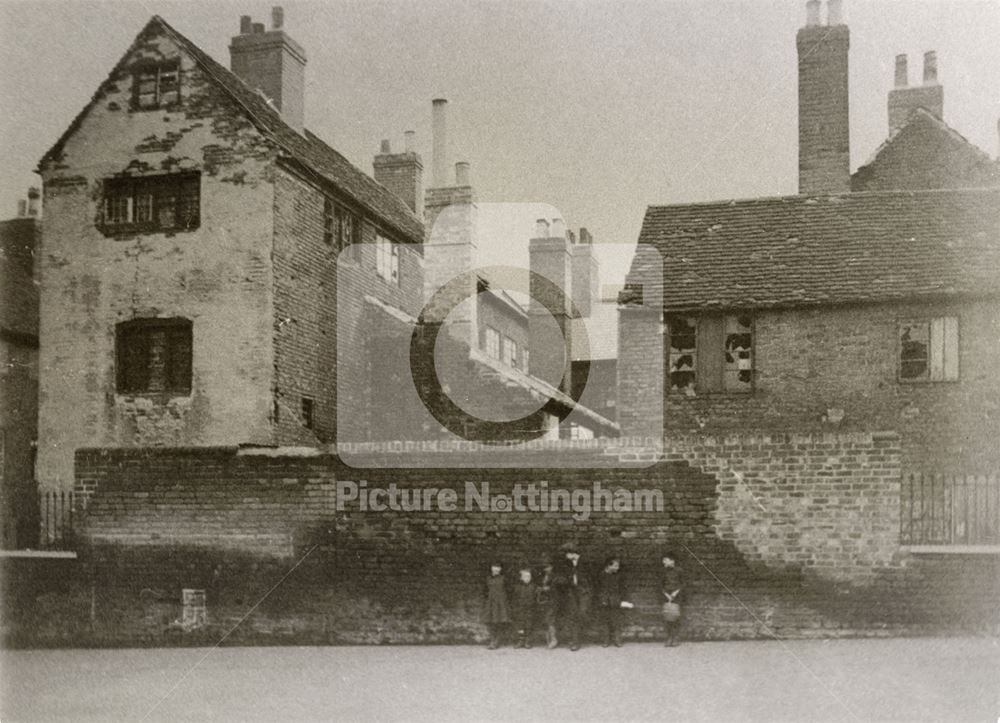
[(710, 353), (928, 350), (387, 259), (153, 355), (682, 331), (153, 203), (156, 85)]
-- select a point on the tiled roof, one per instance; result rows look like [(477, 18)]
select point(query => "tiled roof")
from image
[(809, 250), (307, 150)]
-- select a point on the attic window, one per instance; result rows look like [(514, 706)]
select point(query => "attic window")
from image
[(152, 203), (156, 85)]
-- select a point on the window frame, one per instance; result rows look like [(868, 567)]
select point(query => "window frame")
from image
[(387, 260), (722, 319), (509, 351), (160, 68), (182, 189), (489, 334), (143, 329), (928, 321)]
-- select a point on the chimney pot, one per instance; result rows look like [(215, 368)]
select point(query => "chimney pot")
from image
[(930, 68), (386, 147), (462, 174), (812, 12), (439, 110), (409, 141), (902, 76), (258, 28), (22, 208), (277, 17), (541, 228), (246, 25), (585, 237), (558, 228), (835, 12)]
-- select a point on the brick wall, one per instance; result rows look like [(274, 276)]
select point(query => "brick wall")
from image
[(924, 154), (811, 361), (786, 535)]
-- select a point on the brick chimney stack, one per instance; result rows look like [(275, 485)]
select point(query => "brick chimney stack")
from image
[(903, 99), (824, 128), (439, 140), (550, 287), (402, 173), (585, 273), (271, 62)]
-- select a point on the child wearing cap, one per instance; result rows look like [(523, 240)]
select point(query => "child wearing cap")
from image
[(574, 589), (672, 586), (524, 600), (547, 602)]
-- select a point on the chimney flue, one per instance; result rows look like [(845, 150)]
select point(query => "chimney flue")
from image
[(930, 68), (902, 76), (258, 28), (558, 228), (812, 12), (386, 147), (462, 174), (246, 25), (541, 228), (277, 17), (439, 110), (22, 208), (409, 141), (835, 12), (33, 196)]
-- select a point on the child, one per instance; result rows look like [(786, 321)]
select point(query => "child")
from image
[(496, 612), (523, 604), (574, 589), (672, 585), (610, 596), (547, 603)]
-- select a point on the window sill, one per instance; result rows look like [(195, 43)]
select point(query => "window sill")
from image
[(951, 549), (152, 396), (131, 230)]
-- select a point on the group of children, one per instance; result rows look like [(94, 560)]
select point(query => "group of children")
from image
[(561, 599)]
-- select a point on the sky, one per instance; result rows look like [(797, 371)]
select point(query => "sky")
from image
[(597, 109)]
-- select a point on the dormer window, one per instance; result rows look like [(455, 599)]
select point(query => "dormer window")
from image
[(157, 85), (169, 202)]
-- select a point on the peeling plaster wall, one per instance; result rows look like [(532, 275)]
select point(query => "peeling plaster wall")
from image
[(218, 275)]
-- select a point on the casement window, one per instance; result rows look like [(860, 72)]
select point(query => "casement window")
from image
[(329, 221), (710, 353), (153, 356), (492, 343), (156, 85), (387, 260), (169, 202), (509, 351), (308, 408), (928, 350)]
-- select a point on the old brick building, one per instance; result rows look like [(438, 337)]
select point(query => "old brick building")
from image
[(18, 374), (865, 302), (188, 268)]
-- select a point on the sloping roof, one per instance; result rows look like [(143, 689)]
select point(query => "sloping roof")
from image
[(810, 250), (945, 156), (307, 150)]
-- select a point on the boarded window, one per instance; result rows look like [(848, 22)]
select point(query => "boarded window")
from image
[(153, 355), (308, 407), (712, 353), (928, 350), (156, 85), (152, 203)]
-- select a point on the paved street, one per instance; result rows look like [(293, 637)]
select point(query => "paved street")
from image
[(847, 680)]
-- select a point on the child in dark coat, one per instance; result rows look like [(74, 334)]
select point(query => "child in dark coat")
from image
[(547, 602), (496, 611), (672, 587), (523, 602), (610, 596)]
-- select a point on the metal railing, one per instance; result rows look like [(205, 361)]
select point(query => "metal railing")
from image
[(950, 509), (56, 511)]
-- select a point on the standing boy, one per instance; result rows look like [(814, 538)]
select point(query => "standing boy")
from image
[(610, 596)]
